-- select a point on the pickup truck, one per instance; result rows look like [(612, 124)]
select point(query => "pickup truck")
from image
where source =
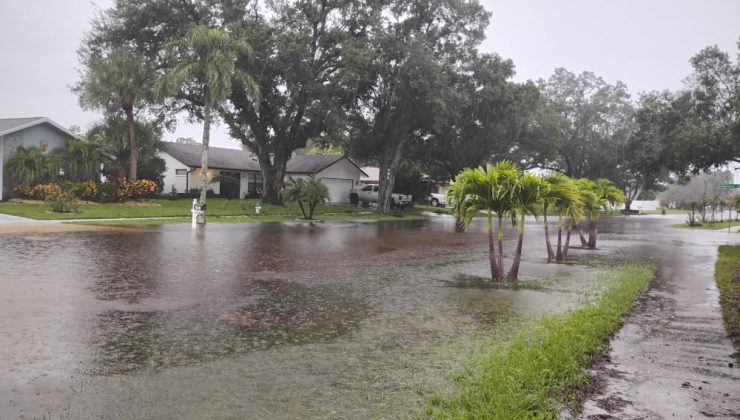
[(369, 194), (437, 200)]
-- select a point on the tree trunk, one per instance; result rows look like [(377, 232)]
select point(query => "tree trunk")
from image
[(492, 250), (514, 271), (550, 253), (311, 208), (204, 154), (592, 233), (584, 242), (303, 211), (388, 166), (273, 172), (559, 255), (133, 144), (500, 249), (567, 241)]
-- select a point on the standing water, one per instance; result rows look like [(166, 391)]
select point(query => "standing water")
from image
[(260, 320)]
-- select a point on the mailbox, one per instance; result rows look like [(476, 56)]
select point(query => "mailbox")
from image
[(199, 207)]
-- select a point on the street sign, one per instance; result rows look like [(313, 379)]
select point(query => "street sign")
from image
[(728, 186)]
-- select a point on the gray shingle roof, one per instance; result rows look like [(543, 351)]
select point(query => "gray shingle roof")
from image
[(241, 160), (10, 125), (218, 157)]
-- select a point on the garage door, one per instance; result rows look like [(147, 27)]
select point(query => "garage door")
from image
[(338, 189)]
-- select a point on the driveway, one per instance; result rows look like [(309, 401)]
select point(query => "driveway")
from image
[(6, 218)]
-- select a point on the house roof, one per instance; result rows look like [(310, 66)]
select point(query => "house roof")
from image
[(11, 125), (372, 174), (242, 160)]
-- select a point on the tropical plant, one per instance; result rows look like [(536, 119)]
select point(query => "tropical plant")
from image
[(560, 193), (597, 197), (117, 81), (309, 191), (205, 67), (528, 199), (491, 189), (29, 165)]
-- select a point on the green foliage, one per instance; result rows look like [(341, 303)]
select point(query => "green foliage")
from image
[(309, 191), (108, 192), (727, 274), (543, 366)]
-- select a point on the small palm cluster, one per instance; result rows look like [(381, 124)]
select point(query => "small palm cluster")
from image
[(308, 191), (504, 190)]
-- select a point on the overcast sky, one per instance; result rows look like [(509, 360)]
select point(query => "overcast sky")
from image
[(644, 43)]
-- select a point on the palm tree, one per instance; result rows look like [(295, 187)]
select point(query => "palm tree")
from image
[(607, 195), (490, 189), (528, 199), (310, 191), (118, 81), (560, 193), (206, 65)]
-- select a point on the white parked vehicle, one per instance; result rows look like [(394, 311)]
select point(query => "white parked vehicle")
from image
[(369, 194), (437, 200)]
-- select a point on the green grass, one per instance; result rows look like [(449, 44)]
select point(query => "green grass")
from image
[(727, 274), (167, 208), (668, 211), (542, 366), (325, 217), (709, 226)]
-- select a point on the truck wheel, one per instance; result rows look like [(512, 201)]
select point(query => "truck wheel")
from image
[(354, 199), (435, 202)]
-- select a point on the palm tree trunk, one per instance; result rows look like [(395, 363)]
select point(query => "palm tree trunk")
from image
[(514, 271), (491, 250), (204, 155), (559, 255), (134, 154), (567, 242), (550, 253), (500, 249), (584, 242), (592, 233)]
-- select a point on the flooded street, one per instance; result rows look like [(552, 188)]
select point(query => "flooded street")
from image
[(272, 320)]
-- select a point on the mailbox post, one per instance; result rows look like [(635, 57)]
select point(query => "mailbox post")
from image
[(198, 213)]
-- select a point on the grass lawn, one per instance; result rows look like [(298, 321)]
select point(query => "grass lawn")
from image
[(709, 226), (727, 274), (542, 367), (668, 211), (169, 208), (324, 217)]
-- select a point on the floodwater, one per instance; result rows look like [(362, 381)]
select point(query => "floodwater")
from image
[(337, 320)]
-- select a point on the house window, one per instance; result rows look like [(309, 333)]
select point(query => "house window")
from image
[(254, 184), (181, 172)]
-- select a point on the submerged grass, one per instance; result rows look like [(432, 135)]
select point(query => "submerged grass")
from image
[(709, 226), (541, 368), (727, 273)]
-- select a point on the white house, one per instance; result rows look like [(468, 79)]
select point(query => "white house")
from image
[(38, 132), (239, 176)]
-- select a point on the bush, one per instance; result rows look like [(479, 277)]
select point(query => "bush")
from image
[(62, 202), (24, 191), (144, 188), (107, 192), (88, 190), (46, 191)]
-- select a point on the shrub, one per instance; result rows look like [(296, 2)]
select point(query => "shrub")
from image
[(62, 202), (143, 188), (24, 191), (107, 192), (88, 190), (46, 191)]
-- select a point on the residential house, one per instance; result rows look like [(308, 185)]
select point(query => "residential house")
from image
[(236, 173), (38, 132)]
